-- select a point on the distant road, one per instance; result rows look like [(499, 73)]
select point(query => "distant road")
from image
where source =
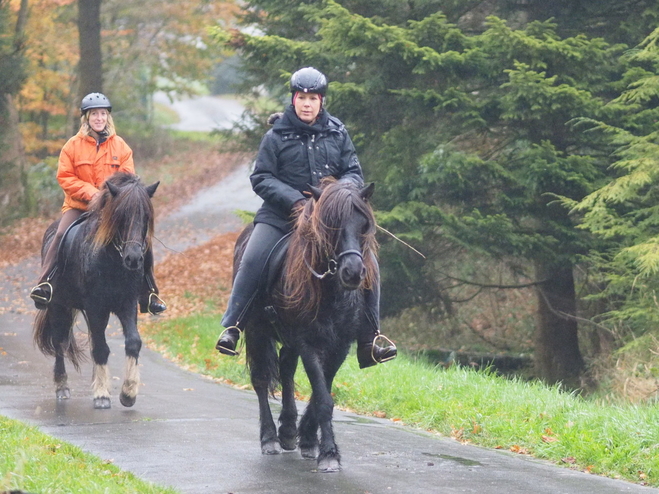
[(203, 113)]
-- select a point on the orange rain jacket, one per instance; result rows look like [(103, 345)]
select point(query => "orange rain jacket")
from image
[(83, 167)]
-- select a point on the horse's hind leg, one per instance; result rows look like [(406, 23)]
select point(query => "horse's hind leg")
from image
[(62, 391), (288, 416), (133, 344), (97, 323), (60, 320), (263, 358)]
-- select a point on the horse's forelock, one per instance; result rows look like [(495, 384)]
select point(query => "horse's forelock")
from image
[(316, 236), (131, 205)]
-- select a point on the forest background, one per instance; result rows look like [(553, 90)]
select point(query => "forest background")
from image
[(513, 143)]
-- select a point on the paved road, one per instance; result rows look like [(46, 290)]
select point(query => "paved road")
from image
[(203, 113), (200, 436)]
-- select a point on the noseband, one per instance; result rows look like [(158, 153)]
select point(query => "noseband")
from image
[(121, 245), (333, 264)]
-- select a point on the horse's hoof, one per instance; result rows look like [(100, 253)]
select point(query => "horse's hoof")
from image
[(329, 465), (309, 453), (288, 443), (271, 448), (63, 394), (102, 403), (127, 401)]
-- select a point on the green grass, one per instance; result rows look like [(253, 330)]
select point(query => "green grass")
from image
[(620, 441), (35, 462)]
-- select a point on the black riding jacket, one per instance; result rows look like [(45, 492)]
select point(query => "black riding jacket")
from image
[(293, 155)]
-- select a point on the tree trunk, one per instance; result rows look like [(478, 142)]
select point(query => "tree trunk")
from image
[(13, 165), (91, 61), (557, 355)]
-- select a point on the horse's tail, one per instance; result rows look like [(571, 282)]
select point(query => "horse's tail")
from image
[(53, 333)]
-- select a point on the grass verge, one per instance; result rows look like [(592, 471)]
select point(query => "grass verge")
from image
[(35, 462), (620, 441)]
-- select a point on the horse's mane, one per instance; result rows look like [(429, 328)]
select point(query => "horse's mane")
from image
[(316, 236), (113, 214)]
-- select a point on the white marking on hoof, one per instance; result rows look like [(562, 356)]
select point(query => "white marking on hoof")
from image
[(131, 382), (101, 382), (271, 448), (329, 465)]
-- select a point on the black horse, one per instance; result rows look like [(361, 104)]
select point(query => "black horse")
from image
[(100, 271), (313, 309)]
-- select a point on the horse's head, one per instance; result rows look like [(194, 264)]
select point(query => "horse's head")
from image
[(334, 239), (125, 218), (345, 224)]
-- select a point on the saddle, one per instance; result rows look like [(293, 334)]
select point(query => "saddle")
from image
[(269, 276), (66, 243)]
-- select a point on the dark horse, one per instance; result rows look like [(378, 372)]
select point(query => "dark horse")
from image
[(313, 309), (100, 271)]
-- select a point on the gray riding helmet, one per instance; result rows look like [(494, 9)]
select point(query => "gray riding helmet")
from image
[(95, 100)]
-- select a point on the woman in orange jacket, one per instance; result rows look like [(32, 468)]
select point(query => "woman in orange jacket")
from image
[(90, 157)]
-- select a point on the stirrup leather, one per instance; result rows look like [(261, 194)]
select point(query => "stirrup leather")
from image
[(158, 299), (389, 343), (229, 351), (39, 298)]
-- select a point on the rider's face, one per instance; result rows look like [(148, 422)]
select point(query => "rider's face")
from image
[(98, 119), (307, 106)]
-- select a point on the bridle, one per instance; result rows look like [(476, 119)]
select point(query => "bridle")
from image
[(122, 244), (333, 263)]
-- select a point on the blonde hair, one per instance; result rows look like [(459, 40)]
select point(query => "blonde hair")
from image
[(85, 129)]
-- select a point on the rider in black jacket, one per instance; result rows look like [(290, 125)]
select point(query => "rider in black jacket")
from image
[(304, 145)]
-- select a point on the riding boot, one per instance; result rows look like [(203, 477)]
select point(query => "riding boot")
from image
[(149, 300), (246, 285), (42, 293), (368, 351), (228, 341)]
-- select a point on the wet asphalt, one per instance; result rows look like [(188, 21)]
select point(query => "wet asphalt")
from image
[(200, 436)]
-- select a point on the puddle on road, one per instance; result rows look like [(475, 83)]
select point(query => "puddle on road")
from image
[(462, 461)]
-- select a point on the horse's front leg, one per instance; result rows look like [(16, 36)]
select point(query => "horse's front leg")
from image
[(322, 406), (133, 345), (288, 416), (97, 321)]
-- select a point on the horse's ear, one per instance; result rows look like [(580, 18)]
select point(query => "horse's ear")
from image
[(315, 192), (114, 190), (151, 189), (367, 191)]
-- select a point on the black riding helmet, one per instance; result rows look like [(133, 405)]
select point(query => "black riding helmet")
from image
[(95, 100), (309, 80)]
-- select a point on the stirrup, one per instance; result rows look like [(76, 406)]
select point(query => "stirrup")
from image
[(225, 350), (38, 298), (389, 344), (159, 300)]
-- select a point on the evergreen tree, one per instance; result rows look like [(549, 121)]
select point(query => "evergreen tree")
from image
[(467, 132), (625, 209)]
